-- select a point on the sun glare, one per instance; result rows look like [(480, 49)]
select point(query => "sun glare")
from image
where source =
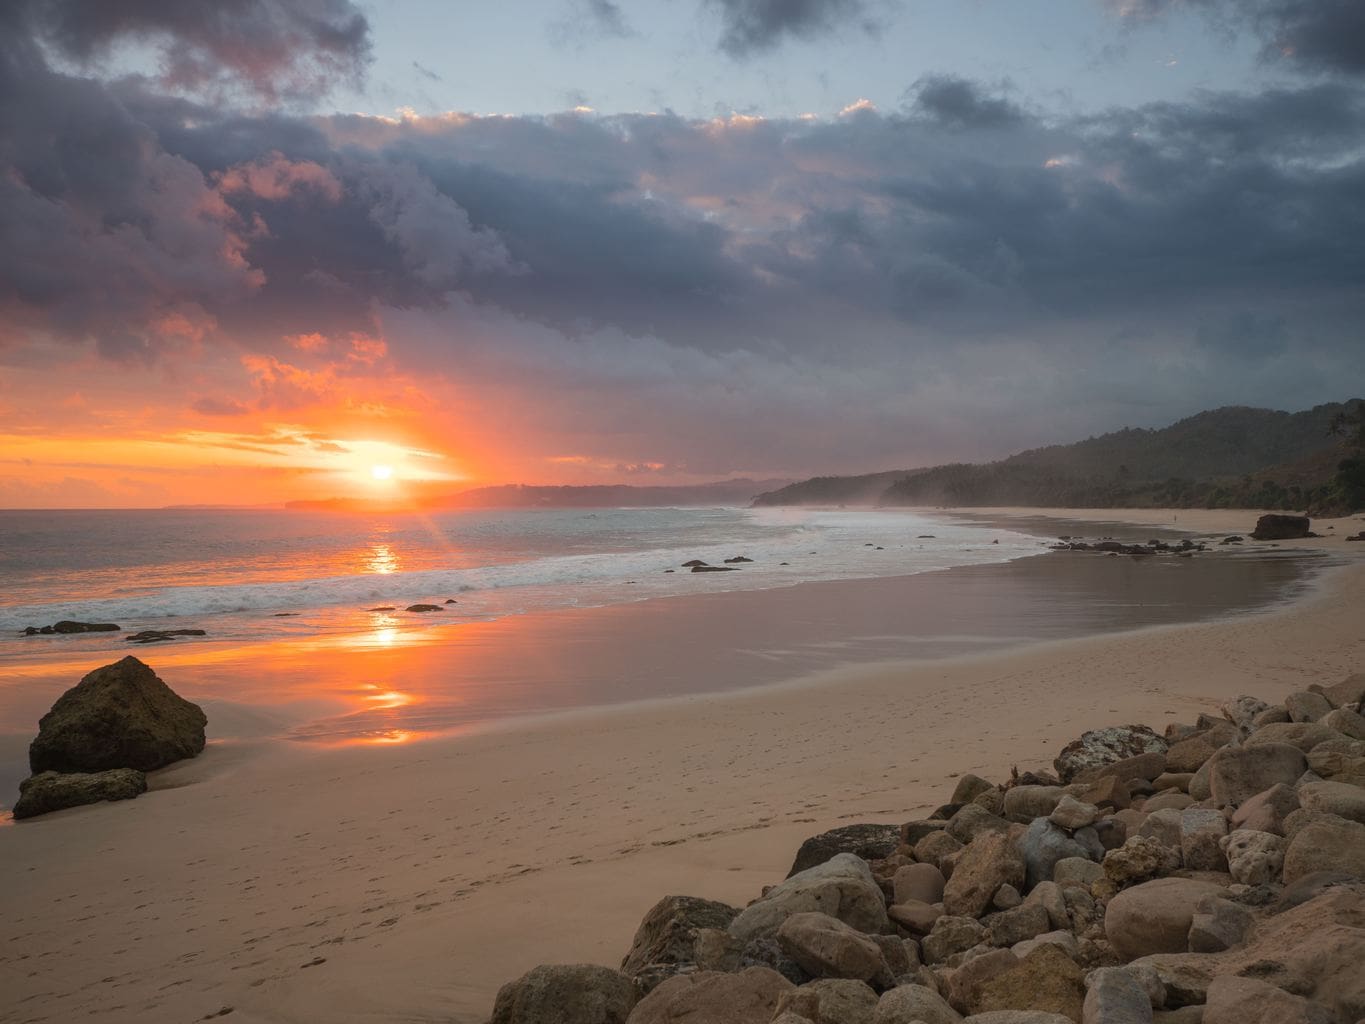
[(381, 472)]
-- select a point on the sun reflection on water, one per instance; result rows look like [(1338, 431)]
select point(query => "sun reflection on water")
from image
[(381, 560)]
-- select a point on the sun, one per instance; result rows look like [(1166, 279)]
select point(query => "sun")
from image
[(381, 472)]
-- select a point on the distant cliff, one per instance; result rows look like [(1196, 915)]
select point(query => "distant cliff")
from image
[(1229, 457)]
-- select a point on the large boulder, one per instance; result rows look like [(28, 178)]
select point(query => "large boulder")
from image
[(1266, 811), (1043, 845), (825, 947), (920, 882), (1154, 917), (1115, 996), (842, 887), (1280, 527), (905, 1004), (983, 867), (1236, 774), (56, 791), (1047, 980), (1350, 690), (1248, 1001), (1337, 798), (830, 1001), (565, 994), (871, 842), (1328, 843), (1100, 747), (711, 997), (668, 933), (118, 716)]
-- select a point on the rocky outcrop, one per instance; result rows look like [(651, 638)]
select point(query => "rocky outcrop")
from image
[(69, 626), (103, 734), (1216, 873), (1281, 527), (55, 791)]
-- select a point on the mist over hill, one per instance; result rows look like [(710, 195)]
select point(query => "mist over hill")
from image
[(1229, 457)]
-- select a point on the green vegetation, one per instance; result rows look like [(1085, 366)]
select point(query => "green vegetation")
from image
[(1234, 457)]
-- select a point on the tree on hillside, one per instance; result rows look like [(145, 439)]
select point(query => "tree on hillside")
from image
[(1349, 482)]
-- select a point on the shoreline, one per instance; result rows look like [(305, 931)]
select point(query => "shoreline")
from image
[(426, 875)]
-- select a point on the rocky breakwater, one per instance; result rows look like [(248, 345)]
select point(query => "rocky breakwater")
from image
[(103, 735), (1213, 873)]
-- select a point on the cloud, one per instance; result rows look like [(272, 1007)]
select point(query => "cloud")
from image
[(961, 103), (752, 26), (272, 49)]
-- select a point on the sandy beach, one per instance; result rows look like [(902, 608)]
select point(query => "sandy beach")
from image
[(407, 882)]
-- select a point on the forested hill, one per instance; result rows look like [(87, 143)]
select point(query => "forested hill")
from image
[(1230, 456)]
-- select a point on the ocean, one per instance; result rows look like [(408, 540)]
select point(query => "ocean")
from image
[(267, 574)]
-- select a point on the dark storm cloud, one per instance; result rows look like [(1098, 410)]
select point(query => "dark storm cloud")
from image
[(961, 103), (1308, 35), (752, 26), (272, 48)]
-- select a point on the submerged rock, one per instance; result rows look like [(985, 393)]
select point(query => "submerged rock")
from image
[(152, 636), (119, 716), (56, 791), (69, 626), (424, 608)]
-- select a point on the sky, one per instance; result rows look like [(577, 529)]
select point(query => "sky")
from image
[(264, 250)]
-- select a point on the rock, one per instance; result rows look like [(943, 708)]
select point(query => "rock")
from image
[(1017, 1017), (558, 993), (1024, 803), (901, 956), (1076, 871), (1023, 922), (1304, 735), (667, 934), (1072, 814), (1350, 690), (1238, 773), (1340, 759), (1167, 801), (1154, 917), (963, 982), (1112, 833), (1139, 859), (1115, 996), (922, 882), (1345, 721), (1162, 825), (1047, 979), (1270, 716), (987, 864), (1310, 887), (842, 887), (913, 831), (829, 1001), (736, 559), (1049, 896), (951, 935), (1254, 858), (1266, 811), (1006, 898), (870, 842), (70, 626), (154, 636), (1043, 845), (424, 608), (974, 820), (1218, 924), (1248, 1001), (1199, 783), (714, 568), (827, 948), (1064, 939), (1329, 845), (1201, 831), (935, 849), (693, 563), (1280, 527), (1337, 798), (56, 791), (1133, 770), (764, 951), (1242, 711), (1109, 791), (709, 997), (382, 608), (1189, 754), (969, 787), (915, 916), (1306, 706), (118, 716), (908, 1004), (1101, 747)]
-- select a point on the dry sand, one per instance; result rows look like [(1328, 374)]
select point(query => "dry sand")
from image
[(407, 883)]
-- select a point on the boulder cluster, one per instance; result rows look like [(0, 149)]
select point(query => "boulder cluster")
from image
[(1213, 874), (103, 735)]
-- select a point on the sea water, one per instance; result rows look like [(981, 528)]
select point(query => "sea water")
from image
[(270, 574)]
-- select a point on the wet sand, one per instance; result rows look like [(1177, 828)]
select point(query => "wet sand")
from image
[(424, 874)]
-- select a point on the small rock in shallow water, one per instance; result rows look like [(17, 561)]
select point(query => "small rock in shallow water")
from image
[(423, 608)]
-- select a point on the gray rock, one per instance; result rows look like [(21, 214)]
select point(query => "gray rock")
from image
[(708, 997), (118, 716), (829, 1001), (1201, 832), (56, 791), (842, 887), (921, 882), (559, 993), (667, 934), (825, 947), (1100, 747), (1238, 773), (1115, 996), (1254, 858), (871, 842), (1043, 845), (906, 1004)]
